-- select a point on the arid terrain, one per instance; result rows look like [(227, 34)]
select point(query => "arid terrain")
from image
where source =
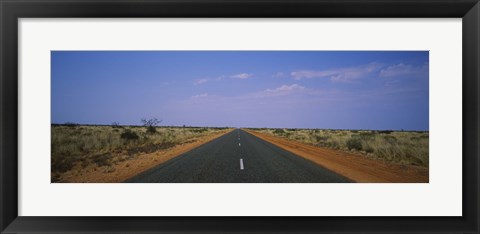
[(87, 153), (392, 164), (84, 153), (401, 147)]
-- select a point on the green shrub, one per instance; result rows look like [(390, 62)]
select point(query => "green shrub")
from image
[(319, 138), (62, 164), (390, 139), (102, 159), (129, 135), (200, 130), (150, 124), (369, 149), (354, 143), (151, 129)]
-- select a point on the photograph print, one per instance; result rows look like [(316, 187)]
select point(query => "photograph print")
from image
[(239, 116)]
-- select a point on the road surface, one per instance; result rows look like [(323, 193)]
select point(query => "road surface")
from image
[(238, 157)]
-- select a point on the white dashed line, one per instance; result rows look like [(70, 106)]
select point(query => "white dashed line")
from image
[(239, 144), (241, 164)]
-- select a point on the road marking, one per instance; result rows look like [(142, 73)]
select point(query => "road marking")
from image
[(239, 144), (241, 164)]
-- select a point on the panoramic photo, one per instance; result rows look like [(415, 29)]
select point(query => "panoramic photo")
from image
[(239, 116)]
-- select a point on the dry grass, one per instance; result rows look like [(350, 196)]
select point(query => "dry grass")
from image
[(103, 146), (408, 148)]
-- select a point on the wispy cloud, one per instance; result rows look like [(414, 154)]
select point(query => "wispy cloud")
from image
[(242, 76), (282, 90), (205, 80), (200, 81), (219, 78), (286, 88), (200, 95), (404, 70), (278, 74), (347, 74)]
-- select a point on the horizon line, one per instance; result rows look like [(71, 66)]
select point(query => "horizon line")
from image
[(191, 126)]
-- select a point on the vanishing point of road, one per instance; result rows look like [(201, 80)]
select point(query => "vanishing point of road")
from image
[(238, 157)]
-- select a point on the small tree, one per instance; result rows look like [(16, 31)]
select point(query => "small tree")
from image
[(115, 125), (150, 124)]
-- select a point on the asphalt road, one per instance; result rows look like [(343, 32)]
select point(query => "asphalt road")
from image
[(238, 157)]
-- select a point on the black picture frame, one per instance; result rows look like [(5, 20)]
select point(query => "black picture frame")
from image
[(11, 11)]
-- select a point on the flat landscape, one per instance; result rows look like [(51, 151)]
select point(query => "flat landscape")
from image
[(403, 147), (239, 157), (82, 153), (240, 116), (227, 155), (354, 163)]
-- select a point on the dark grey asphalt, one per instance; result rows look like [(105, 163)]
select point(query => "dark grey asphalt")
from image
[(219, 162)]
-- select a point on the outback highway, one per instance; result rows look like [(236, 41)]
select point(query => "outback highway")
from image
[(238, 157)]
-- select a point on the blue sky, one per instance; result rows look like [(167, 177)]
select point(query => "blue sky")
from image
[(286, 89)]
